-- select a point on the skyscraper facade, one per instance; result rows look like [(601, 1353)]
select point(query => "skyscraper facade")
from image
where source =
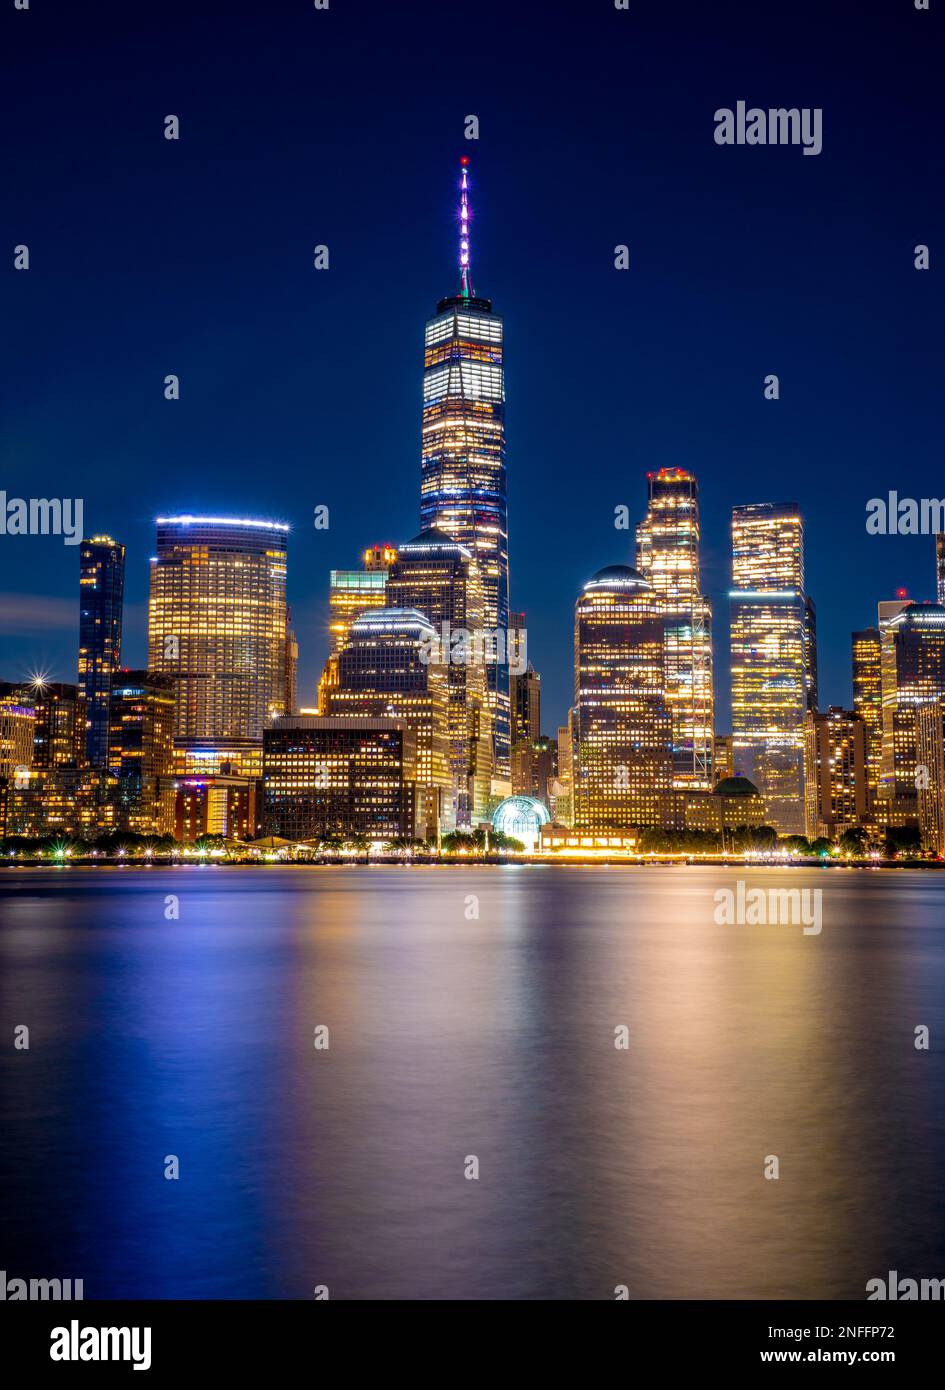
[(328, 778), (217, 624), (526, 706), (623, 764), (141, 750), (101, 596), (835, 785), (940, 569), (772, 656), (868, 703), (291, 678), (462, 476), (668, 556), (351, 593), (440, 578), (60, 735), (913, 671), (931, 787), (384, 672)]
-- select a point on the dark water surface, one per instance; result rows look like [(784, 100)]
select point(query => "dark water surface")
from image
[(452, 1036)]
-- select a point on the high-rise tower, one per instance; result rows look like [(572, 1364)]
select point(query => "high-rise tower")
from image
[(773, 656), (217, 624), (101, 594), (462, 473), (668, 556), (913, 672), (623, 753), (868, 702), (440, 578)]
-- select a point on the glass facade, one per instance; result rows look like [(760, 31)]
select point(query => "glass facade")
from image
[(868, 703), (462, 476), (141, 750), (835, 785), (668, 556), (101, 596), (217, 623), (913, 672), (384, 671), (773, 660), (352, 593), (441, 579), (328, 778), (623, 763)]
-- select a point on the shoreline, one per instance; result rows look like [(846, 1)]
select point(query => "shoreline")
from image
[(483, 862)]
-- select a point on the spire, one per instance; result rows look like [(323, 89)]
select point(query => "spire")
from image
[(466, 289)]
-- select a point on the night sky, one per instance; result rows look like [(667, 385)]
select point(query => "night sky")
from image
[(301, 388)]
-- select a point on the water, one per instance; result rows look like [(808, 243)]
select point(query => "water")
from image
[(453, 1036)]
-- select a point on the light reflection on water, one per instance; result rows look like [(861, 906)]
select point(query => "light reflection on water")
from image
[(450, 1037)]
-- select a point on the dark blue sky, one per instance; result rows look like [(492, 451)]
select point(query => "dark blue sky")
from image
[(302, 388)]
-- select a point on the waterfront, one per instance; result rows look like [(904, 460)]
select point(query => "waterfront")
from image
[(454, 1035)]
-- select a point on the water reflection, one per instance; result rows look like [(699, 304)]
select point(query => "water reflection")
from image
[(456, 1034)]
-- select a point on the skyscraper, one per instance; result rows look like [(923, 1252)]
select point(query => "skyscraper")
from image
[(385, 672), (462, 476), (913, 668), (773, 657), (61, 723), (868, 703), (835, 786), (940, 568), (353, 592), (440, 578), (217, 624), (141, 750), (931, 786), (526, 706), (101, 595), (668, 556), (623, 763), (291, 679)]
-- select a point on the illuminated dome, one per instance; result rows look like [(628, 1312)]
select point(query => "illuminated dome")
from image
[(521, 817), (617, 577)]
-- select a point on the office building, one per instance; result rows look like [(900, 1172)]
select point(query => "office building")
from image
[(913, 674), (330, 779), (836, 787), (463, 468), (217, 623), (623, 750), (868, 704), (668, 557), (723, 757), (387, 670), (101, 599), (439, 577), (930, 784), (215, 805), (141, 750), (773, 662)]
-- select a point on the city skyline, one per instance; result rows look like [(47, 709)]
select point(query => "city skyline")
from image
[(609, 375)]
